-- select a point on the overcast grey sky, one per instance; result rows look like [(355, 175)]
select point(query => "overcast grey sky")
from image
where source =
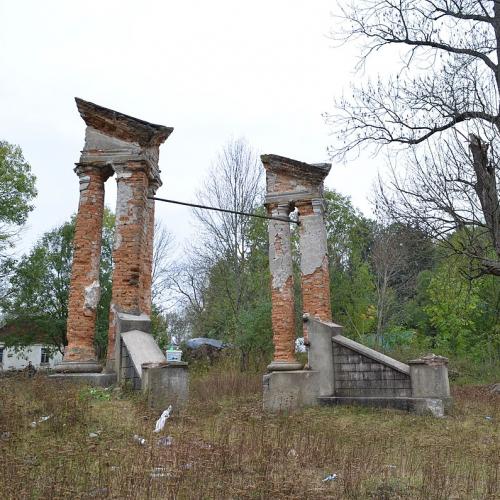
[(265, 70)]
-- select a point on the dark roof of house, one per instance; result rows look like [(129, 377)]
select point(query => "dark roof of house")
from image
[(29, 330)]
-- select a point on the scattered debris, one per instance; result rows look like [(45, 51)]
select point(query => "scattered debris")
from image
[(5, 435), (94, 434), (330, 477), (39, 421), (391, 466), (495, 389), (97, 492), (157, 472), (139, 439), (187, 466), (488, 418), (292, 453), (165, 441), (160, 423)]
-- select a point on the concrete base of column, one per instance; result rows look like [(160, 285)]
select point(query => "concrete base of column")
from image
[(95, 379), (165, 384), (290, 390), (284, 366), (78, 367)]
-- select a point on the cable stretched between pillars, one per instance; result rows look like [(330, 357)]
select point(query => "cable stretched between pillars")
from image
[(194, 205)]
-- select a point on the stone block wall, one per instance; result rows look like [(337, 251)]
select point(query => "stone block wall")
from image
[(128, 373), (356, 375)]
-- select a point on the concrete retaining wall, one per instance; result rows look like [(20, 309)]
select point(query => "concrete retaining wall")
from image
[(351, 373), (356, 375)]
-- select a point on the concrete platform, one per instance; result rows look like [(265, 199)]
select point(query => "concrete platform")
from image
[(420, 406), (290, 390), (95, 379)]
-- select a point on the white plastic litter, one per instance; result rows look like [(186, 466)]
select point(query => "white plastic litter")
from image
[(40, 420), (157, 472), (160, 423), (488, 418), (165, 441), (330, 477), (139, 439)]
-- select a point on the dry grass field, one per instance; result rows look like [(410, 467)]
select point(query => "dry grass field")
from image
[(223, 446)]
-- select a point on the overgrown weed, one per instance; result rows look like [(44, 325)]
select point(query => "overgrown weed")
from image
[(224, 446)]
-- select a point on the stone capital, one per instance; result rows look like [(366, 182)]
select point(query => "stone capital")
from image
[(123, 170), (316, 205), (279, 209), (85, 172), (154, 185)]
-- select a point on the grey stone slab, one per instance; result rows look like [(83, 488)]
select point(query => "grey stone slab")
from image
[(95, 379), (142, 348), (420, 406)]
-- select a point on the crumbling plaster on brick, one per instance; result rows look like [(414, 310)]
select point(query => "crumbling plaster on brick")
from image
[(92, 295), (313, 245), (280, 252), (96, 141), (84, 182)]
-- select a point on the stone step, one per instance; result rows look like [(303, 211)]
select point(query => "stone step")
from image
[(420, 406), (95, 379)]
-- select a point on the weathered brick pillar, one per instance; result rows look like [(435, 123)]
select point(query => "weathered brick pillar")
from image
[(314, 261), (282, 290), (84, 289), (147, 259), (130, 237)]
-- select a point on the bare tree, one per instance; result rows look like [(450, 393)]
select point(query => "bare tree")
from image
[(215, 283), (163, 268), (442, 107), (234, 182)]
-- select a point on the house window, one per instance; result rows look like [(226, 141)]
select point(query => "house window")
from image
[(1, 355), (44, 359)]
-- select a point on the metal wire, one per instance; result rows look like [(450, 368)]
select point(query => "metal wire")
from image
[(194, 205)]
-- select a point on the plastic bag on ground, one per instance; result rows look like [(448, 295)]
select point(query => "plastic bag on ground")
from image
[(160, 423)]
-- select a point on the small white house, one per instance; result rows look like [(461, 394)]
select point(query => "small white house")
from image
[(41, 356), (38, 347)]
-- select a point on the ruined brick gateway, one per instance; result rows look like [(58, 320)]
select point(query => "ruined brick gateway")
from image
[(339, 370), (129, 147)]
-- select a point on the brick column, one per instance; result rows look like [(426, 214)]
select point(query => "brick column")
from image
[(130, 238), (148, 248), (314, 261), (282, 291), (84, 289)]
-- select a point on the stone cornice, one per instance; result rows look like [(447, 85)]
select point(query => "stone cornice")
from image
[(121, 126), (294, 168)]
